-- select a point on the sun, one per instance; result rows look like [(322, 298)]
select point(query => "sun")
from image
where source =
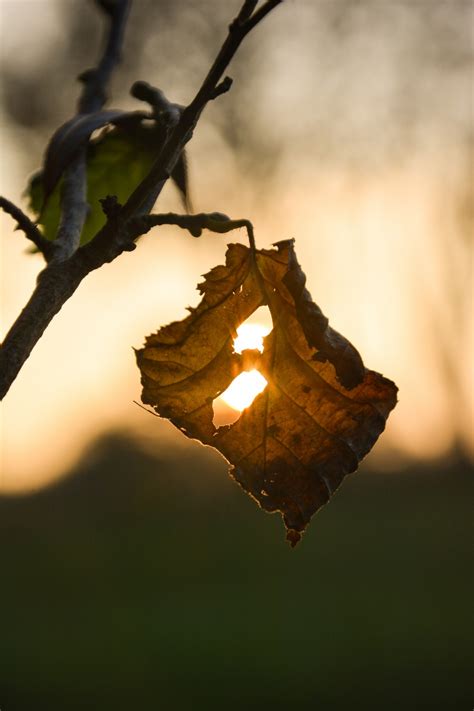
[(250, 335), (245, 387)]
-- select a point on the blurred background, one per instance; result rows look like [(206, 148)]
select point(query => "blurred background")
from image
[(134, 572)]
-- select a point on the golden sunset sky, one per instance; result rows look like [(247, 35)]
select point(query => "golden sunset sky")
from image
[(349, 128)]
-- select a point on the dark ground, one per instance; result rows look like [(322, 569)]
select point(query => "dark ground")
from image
[(155, 583)]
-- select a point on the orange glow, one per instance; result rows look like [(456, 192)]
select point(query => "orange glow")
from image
[(244, 389), (387, 253), (250, 335)]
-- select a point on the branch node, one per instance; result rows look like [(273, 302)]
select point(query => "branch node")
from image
[(221, 88), (162, 107), (247, 9), (110, 207), (235, 25)]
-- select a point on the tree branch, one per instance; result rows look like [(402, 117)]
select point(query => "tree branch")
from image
[(74, 207), (59, 280)]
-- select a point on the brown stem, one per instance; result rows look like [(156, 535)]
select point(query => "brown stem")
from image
[(195, 224)]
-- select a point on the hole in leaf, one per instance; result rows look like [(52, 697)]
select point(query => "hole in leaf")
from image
[(240, 394), (245, 387), (250, 333)]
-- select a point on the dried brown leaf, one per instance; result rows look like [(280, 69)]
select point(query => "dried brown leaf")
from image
[(321, 411)]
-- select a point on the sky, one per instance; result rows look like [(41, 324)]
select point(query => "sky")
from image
[(348, 128)]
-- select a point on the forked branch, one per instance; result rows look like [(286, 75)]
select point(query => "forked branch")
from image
[(69, 263)]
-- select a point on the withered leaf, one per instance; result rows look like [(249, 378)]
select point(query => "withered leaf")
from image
[(321, 411)]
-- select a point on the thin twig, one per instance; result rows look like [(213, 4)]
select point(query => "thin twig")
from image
[(96, 80), (195, 224), (261, 13), (161, 169), (29, 228)]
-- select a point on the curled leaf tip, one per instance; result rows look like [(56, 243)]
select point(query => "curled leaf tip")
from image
[(293, 537)]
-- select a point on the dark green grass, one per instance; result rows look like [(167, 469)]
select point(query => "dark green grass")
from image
[(146, 583)]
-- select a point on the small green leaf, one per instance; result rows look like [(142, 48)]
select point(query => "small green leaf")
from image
[(116, 163), (71, 137)]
